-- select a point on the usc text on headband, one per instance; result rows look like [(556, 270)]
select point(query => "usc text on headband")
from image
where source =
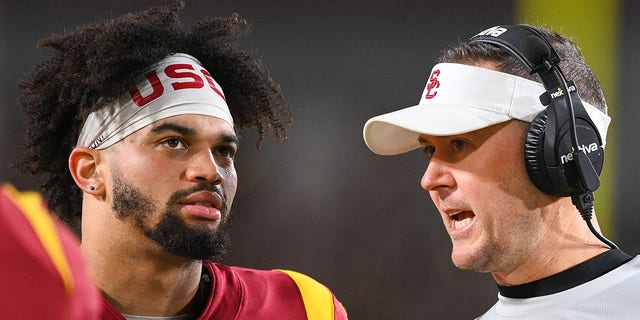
[(177, 85)]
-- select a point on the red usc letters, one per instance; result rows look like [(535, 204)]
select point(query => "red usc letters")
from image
[(178, 71)]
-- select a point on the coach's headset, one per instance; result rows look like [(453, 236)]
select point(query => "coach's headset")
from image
[(563, 149)]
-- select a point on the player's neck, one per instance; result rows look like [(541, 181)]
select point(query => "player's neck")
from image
[(147, 288), (134, 274)]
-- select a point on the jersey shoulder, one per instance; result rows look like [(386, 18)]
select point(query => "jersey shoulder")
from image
[(280, 291)]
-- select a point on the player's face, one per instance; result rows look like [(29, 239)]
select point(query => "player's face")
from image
[(175, 180), (489, 206)]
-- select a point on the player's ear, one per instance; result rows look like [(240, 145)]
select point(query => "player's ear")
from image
[(83, 165)]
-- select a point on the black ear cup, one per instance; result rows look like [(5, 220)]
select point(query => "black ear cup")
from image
[(559, 176), (534, 154)]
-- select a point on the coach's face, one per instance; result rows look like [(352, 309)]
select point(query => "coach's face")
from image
[(489, 206), (175, 180)]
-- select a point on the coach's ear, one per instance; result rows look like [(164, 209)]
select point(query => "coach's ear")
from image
[(83, 165)]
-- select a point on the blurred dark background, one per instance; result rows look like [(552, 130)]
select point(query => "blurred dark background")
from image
[(321, 203)]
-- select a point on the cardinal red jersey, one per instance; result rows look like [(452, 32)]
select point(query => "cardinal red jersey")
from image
[(249, 294), (42, 272)]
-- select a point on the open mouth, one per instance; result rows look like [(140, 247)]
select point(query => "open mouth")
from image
[(461, 219)]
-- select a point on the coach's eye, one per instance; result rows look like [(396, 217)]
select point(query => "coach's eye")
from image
[(429, 151), (459, 144)]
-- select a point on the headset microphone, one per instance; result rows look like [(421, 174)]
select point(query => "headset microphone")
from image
[(563, 148)]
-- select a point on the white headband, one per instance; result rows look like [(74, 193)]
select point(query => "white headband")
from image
[(176, 85), (458, 99)]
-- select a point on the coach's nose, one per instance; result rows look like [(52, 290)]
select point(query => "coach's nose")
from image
[(437, 175)]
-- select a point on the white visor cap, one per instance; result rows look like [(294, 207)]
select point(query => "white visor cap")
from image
[(458, 99)]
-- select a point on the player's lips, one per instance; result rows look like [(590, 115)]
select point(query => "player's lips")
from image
[(203, 204)]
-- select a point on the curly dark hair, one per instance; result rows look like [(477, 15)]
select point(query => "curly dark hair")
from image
[(93, 65)]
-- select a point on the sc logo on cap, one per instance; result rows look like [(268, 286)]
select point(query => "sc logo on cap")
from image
[(433, 84)]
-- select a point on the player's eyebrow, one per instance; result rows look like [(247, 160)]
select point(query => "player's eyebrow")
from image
[(170, 126), (230, 138), (184, 130)]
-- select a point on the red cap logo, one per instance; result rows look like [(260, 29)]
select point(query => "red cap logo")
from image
[(433, 84)]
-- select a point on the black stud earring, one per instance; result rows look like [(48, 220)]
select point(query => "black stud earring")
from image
[(92, 188)]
